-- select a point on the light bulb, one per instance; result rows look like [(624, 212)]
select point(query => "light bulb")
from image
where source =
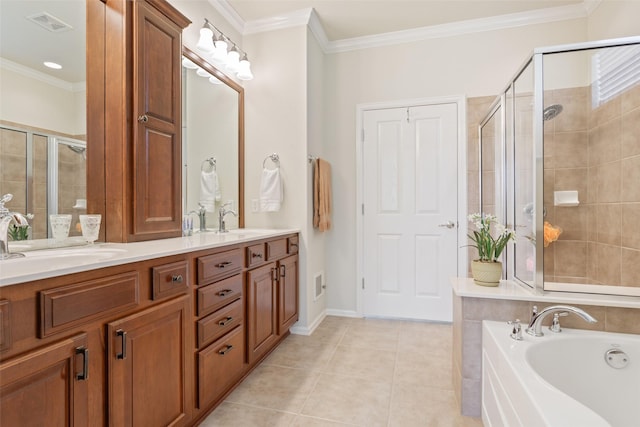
[(220, 51), (244, 69), (205, 43), (202, 72), (214, 81), (187, 63), (233, 59)]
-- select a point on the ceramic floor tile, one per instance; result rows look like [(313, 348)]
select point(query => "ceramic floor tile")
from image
[(275, 387), (413, 405), (430, 338), (235, 415), (304, 421), (368, 336), (301, 352), (418, 368), (366, 363), (350, 400)]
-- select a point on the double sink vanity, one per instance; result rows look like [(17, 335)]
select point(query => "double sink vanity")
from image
[(146, 333)]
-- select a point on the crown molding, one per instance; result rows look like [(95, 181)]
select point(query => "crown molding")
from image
[(453, 29), (40, 76), (229, 13), (310, 17)]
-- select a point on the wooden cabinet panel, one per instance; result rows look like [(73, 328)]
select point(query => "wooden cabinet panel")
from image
[(217, 266), (293, 245), (157, 149), (146, 366), (170, 279), (276, 249), (5, 325), (67, 306), (220, 365), (219, 323), (262, 311), (256, 255), (46, 387), (287, 293)]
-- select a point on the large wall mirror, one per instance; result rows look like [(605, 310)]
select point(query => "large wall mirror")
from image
[(42, 109), (213, 142)]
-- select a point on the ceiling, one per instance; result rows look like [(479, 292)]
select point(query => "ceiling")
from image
[(345, 19), (28, 44)]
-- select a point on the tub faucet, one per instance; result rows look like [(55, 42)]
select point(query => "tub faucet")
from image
[(535, 325), (222, 227), (6, 218)]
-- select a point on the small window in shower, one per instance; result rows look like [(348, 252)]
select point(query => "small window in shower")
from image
[(614, 71)]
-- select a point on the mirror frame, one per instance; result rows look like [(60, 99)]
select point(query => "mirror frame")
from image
[(203, 63)]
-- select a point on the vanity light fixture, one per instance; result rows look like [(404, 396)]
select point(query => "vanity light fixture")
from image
[(202, 72), (217, 48), (214, 81), (187, 63)]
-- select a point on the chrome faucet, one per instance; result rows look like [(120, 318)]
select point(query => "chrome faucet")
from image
[(222, 228), (535, 325), (6, 218), (202, 216)]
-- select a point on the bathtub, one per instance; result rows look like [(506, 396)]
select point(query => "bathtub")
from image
[(560, 380)]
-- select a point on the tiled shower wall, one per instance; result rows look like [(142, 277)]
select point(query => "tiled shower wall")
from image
[(597, 153)]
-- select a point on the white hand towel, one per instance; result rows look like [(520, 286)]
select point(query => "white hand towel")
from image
[(271, 190), (209, 190)]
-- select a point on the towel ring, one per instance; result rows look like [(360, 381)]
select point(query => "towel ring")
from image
[(274, 158), (209, 164)]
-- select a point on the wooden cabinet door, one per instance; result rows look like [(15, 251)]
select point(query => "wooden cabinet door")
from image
[(46, 387), (262, 311), (157, 146), (146, 367), (287, 293)]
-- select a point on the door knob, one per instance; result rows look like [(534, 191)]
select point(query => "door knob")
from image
[(448, 224)]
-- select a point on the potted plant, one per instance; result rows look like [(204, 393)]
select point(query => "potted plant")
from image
[(487, 270)]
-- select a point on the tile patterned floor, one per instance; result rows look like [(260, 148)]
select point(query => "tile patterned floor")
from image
[(351, 372)]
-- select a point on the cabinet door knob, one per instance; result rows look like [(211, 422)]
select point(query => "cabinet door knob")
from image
[(143, 118), (82, 376), (177, 278)]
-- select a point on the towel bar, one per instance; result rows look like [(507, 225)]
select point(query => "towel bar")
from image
[(274, 158)]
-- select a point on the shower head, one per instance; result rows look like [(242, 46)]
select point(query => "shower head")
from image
[(551, 112), (76, 149)]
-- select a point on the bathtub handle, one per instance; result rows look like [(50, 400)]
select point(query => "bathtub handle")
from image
[(516, 332), (555, 324)]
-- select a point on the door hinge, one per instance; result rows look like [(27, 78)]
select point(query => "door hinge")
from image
[(363, 283), (363, 209)]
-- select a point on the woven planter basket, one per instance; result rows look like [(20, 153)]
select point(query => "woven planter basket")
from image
[(486, 273)]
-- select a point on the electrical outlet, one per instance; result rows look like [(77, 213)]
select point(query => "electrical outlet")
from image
[(255, 205)]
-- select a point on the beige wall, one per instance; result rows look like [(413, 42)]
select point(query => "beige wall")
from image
[(614, 18)]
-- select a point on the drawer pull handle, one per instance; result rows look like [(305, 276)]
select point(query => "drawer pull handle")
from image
[(256, 255), (274, 274), (226, 321), (224, 292), (283, 271), (224, 264), (82, 376), (177, 278), (225, 350), (123, 337), (143, 118)]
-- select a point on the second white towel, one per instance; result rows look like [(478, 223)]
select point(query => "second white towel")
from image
[(209, 190), (271, 190)]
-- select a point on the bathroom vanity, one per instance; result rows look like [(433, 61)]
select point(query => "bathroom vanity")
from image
[(148, 333)]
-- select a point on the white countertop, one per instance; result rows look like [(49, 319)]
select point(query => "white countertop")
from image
[(465, 287), (42, 264)]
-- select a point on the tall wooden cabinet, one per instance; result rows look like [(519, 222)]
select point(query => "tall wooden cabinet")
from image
[(135, 162)]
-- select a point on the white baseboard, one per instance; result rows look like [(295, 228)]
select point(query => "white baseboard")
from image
[(308, 330), (342, 313)]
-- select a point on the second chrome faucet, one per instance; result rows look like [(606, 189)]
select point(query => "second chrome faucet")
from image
[(535, 325)]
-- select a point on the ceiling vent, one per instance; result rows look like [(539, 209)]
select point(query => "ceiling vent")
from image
[(49, 22)]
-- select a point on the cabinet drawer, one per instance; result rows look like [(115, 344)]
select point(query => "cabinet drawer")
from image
[(67, 306), (219, 366), (219, 323), (255, 255), (170, 279), (276, 249), (292, 245), (212, 297), (217, 266)]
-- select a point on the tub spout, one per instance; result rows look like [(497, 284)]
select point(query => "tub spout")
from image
[(535, 325)]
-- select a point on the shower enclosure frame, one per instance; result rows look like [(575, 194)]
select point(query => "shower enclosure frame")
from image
[(536, 60)]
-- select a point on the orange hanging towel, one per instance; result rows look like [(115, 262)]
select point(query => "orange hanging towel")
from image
[(322, 195)]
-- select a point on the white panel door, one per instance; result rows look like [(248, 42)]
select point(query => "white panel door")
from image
[(410, 196)]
